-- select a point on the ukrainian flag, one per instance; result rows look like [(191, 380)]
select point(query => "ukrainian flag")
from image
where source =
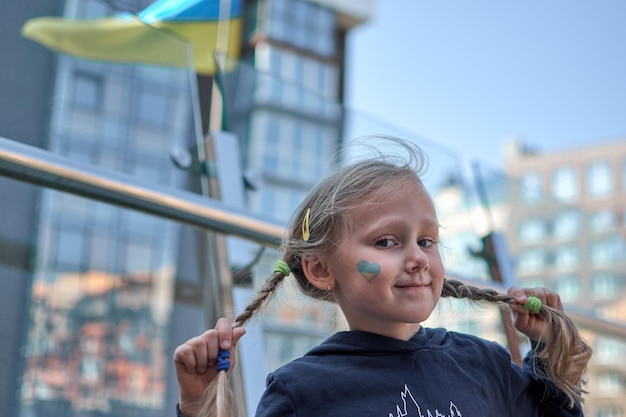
[(159, 35)]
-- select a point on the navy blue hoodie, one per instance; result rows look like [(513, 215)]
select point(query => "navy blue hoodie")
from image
[(434, 374)]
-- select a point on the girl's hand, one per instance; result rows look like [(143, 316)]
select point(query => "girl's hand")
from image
[(196, 359), (527, 322)]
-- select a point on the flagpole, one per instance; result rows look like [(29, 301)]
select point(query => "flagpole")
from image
[(221, 47), (222, 280)]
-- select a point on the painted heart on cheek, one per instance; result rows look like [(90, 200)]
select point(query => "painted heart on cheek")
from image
[(368, 270)]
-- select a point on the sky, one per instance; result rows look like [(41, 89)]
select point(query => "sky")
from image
[(468, 74)]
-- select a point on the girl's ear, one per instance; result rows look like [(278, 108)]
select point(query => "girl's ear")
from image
[(318, 273)]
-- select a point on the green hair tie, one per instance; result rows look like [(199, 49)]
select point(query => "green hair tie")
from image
[(533, 304), (282, 267)]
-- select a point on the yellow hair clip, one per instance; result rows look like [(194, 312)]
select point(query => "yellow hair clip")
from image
[(306, 233)]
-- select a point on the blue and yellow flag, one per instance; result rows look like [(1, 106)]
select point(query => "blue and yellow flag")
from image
[(158, 35)]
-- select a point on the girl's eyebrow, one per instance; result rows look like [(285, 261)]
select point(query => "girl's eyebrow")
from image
[(427, 223)]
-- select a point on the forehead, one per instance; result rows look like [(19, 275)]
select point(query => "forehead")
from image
[(406, 198)]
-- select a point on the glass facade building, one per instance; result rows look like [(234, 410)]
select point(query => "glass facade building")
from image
[(103, 293), (97, 290)]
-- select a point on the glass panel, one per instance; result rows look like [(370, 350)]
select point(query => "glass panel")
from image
[(564, 184), (599, 179), (94, 293), (100, 107), (98, 316), (89, 332)]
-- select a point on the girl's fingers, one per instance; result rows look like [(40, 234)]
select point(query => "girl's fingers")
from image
[(519, 295), (204, 351), (237, 333), (225, 331), (199, 353), (184, 356), (547, 296)]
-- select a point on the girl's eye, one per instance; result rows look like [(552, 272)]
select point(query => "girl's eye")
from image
[(426, 242), (385, 242)]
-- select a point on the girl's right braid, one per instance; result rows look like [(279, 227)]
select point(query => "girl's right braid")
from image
[(218, 399), (262, 297)]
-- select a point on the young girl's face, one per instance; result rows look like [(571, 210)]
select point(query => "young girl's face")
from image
[(387, 273)]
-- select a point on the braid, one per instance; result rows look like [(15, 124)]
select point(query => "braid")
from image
[(262, 297), (457, 289), (561, 355), (218, 399)]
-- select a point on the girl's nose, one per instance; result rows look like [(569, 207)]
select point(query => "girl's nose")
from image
[(416, 259)]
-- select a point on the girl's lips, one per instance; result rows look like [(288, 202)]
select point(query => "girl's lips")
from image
[(414, 286)]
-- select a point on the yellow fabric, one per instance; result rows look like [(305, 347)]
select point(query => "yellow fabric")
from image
[(112, 39)]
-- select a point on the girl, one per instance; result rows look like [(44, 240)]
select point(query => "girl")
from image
[(367, 238)]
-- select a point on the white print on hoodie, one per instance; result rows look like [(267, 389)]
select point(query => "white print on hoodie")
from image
[(402, 411)]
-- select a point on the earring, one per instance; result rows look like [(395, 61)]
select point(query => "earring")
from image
[(329, 288)]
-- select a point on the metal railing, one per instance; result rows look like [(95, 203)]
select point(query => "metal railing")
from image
[(42, 167)]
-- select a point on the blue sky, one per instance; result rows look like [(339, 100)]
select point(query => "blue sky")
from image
[(468, 74)]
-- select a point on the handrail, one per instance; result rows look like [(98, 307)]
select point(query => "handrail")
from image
[(42, 167), (39, 166)]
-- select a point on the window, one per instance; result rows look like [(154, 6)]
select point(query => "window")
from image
[(303, 24), (69, 250), (599, 179), (566, 224), (530, 188), (610, 411), (153, 108), (566, 257), (568, 287), (532, 230), (602, 221), (607, 252), (92, 9), (534, 282), (609, 384), (87, 91), (564, 184), (609, 350), (267, 203), (270, 163), (102, 251), (149, 168), (296, 82), (138, 257), (532, 260), (603, 285), (470, 326)]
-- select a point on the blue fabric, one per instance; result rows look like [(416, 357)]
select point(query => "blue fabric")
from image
[(187, 10), (435, 373)]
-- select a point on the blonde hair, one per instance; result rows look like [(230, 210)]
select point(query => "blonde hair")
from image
[(562, 351)]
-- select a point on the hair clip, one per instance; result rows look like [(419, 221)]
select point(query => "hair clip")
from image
[(306, 233)]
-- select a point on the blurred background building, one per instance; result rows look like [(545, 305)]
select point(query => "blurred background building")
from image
[(89, 287), (95, 296), (563, 218)]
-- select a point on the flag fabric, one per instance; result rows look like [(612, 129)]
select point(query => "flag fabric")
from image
[(164, 33)]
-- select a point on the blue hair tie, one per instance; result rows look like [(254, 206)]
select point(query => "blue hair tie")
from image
[(223, 360)]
